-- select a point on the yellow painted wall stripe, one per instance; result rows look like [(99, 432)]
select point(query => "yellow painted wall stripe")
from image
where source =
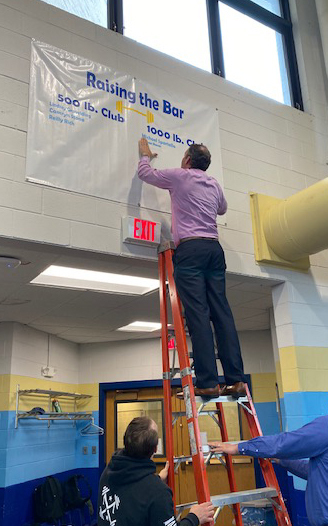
[(304, 368), (9, 382), (264, 387)]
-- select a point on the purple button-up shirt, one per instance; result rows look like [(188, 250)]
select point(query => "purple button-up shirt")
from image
[(196, 199)]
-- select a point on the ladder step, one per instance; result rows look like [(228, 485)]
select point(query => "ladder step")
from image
[(237, 497), (244, 496), (208, 412), (222, 399), (207, 454)]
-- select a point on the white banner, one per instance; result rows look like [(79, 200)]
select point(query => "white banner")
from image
[(85, 120)]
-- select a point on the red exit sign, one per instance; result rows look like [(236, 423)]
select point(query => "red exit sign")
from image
[(141, 231), (144, 229)]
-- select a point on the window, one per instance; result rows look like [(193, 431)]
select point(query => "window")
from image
[(93, 10), (254, 55), (252, 45), (249, 42), (270, 5), (127, 410), (232, 419), (175, 27)]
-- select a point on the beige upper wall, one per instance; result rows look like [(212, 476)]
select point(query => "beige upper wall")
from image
[(26, 350), (142, 359), (6, 344), (266, 147)]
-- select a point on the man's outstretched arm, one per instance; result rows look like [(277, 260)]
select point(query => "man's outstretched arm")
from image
[(309, 441), (165, 179)]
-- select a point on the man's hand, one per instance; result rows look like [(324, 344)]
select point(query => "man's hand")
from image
[(145, 150), (163, 474), (204, 512), (224, 447)]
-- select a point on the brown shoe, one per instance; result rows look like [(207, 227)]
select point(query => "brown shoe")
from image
[(236, 390), (208, 392)]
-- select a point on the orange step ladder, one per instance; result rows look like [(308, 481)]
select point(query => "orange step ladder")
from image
[(272, 491)]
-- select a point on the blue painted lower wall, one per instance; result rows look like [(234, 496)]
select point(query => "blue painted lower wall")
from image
[(33, 450), (302, 407), (268, 417), (16, 501)]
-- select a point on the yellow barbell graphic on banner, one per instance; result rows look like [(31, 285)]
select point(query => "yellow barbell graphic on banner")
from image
[(149, 115)]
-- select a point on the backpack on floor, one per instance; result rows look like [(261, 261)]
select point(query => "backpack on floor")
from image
[(72, 488), (48, 501)]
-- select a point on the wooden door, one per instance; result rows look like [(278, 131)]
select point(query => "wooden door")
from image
[(184, 479)]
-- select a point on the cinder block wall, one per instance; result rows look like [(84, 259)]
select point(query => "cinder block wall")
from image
[(266, 147)]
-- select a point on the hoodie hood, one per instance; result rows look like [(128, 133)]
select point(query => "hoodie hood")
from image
[(123, 470)]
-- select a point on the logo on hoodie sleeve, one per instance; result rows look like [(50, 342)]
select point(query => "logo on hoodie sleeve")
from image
[(110, 504), (170, 522)]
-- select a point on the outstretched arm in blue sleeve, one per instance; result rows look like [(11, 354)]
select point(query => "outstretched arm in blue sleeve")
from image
[(308, 441)]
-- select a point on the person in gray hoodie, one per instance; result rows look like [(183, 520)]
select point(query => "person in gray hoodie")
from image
[(130, 492)]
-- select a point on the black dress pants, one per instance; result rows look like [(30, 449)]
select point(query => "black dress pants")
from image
[(199, 273)]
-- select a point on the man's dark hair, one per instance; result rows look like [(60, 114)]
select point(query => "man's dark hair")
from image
[(140, 439), (200, 157)]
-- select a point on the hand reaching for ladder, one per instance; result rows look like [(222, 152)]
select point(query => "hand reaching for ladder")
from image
[(163, 474), (224, 447), (204, 512)]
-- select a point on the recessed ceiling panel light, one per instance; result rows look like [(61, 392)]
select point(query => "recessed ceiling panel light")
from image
[(141, 326), (74, 278)]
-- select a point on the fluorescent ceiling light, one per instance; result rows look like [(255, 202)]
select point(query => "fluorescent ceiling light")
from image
[(141, 326), (75, 278)]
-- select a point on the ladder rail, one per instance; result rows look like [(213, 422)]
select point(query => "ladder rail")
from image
[(229, 466), (166, 374), (279, 507), (201, 481)]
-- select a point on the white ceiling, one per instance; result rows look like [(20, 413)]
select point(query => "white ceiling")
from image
[(85, 316)]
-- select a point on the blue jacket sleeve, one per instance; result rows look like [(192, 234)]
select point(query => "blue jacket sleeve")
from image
[(309, 441), (300, 468)]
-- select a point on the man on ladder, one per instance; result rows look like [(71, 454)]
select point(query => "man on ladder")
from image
[(199, 266)]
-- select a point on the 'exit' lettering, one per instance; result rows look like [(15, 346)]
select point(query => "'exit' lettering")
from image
[(144, 229)]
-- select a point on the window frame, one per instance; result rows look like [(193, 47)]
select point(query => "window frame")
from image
[(281, 24), (129, 401), (115, 15)]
